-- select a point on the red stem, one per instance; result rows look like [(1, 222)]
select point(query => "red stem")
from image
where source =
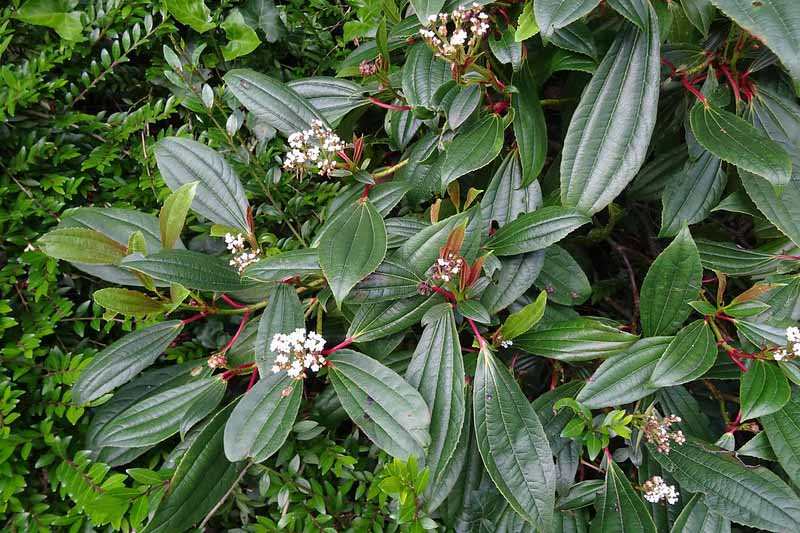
[(388, 106), (346, 342), (475, 331), (195, 317), (228, 374), (505, 15), (668, 63), (253, 377), (365, 195), (731, 82), (737, 361), (692, 90), (227, 300), (237, 334), (443, 292)]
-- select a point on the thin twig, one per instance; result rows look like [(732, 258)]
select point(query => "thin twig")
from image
[(224, 497)]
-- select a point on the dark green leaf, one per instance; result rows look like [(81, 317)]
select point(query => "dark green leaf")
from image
[(635, 11), (700, 13), (619, 507), (563, 278), (426, 8), (783, 431), (386, 408), (463, 105), (332, 97), (121, 361), (691, 354), (581, 339), (514, 277), (553, 14), (672, 281), (391, 281), (697, 518), (506, 198), (731, 259), (606, 143), (764, 390), (505, 49), (530, 129), (512, 443), (536, 231), (423, 74), (475, 310), (193, 270), (692, 194), (472, 149), (378, 320), (285, 265), (283, 314)]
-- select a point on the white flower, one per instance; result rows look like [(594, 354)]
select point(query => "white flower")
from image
[(793, 334), (319, 143), (656, 490), (506, 344), (298, 351), (459, 38)]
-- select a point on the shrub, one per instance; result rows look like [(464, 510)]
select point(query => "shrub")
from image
[(492, 179)]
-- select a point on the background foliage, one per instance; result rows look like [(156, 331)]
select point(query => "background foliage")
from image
[(618, 178)]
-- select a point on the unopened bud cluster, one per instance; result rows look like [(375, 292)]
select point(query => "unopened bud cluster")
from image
[(452, 36), (658, 432), (241, 257), (218, 360), (297, 352), (313, 149), (447, 267), (656, 490), (792, 348)]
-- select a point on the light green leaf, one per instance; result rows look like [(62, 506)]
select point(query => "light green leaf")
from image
[(625, 377), (696, 517), (193, 270), (512, 443), (783, 431), (554, 14), (81, 245), (734, 140), (607, 142), (119, 362), (193, 13), (526, 25), (159, 416), (173, 213), (386, 408), (283, 314), (563, 278), (753, 497), (472, 149), (219, 195), (672, 281), (128, 302), (690, 355), (355, 250), (263, 418), (776, 23), (242, 39), (52, 14), (436, 370), (619, 507), (272, 101), (203, 478), (530, 128), (520, 322), (580, 339), (536, 231), (764, 390), (263, 14)]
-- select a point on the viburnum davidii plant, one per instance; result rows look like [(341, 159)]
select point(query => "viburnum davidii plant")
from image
[(558, 284)]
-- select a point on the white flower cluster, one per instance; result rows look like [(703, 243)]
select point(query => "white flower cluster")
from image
[(792, 348), (241, 257), (313, 148), (447, 268), (658, 432), (656, 490), (297, 351), (469, 26), (506, 344)]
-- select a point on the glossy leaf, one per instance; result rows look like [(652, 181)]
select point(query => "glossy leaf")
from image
[(128, 302), (764, 390), (472, 149), (80, 245), (52, 14), (518, 323), (173, 213), (563, 278), (553, 14), (423, 74), (700, 13), (436, 370), (734, 140), (691, 354), (242, 39), (386, 408), (619, 506), (506, 198), (219, 195), (285, 265), (730, 258), (692, 194), (672, 281), (463, 105), (580, 339), (425, 8), (263, 418), (505, 49), (355, 250), (512, 443), (193, 270), (781, 210), (695, 516), (530, 129), (283, 314), (515, 276), (474, 310), (333, 98), (193, 13), (781, 428), (753, 497), (610, 131), (272, 101), (625, 377), (536, 231), (377, 320)]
